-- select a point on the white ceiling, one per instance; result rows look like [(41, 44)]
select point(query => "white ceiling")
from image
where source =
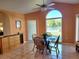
[(25, 6)]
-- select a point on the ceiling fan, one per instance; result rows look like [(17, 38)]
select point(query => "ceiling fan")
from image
[(44, 6)]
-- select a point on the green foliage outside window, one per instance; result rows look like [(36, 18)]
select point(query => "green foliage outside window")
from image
[(54, 22)]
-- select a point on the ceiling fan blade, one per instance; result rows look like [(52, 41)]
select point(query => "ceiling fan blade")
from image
[(36, 9), (51, 4), (38, 5), (44, 7), (51, 8)]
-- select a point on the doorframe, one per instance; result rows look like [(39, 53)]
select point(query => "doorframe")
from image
[(76, 27)]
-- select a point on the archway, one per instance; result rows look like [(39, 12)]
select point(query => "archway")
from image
[(54, 23)]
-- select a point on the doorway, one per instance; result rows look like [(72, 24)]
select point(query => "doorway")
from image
[(31, 28), (54, 23), (77, 28)]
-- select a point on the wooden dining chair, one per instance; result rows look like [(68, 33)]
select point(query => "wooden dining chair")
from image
[(33, 36), (39, 43)]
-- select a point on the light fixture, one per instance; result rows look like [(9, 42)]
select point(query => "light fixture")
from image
[(43, 9)]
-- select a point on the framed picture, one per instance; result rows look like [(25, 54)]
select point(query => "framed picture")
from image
[(18, 24)]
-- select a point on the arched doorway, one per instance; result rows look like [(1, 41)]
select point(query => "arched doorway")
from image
[(54, 23)]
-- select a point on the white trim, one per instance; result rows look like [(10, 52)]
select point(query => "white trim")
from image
[(76, 31)]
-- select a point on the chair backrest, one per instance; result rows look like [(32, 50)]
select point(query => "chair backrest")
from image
[(39, 43), (57, 41)]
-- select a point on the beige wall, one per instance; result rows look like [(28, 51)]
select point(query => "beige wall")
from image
[(9, 20)]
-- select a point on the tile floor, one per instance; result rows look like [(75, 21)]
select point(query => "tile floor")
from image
[(25, 52), (69, 52)]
